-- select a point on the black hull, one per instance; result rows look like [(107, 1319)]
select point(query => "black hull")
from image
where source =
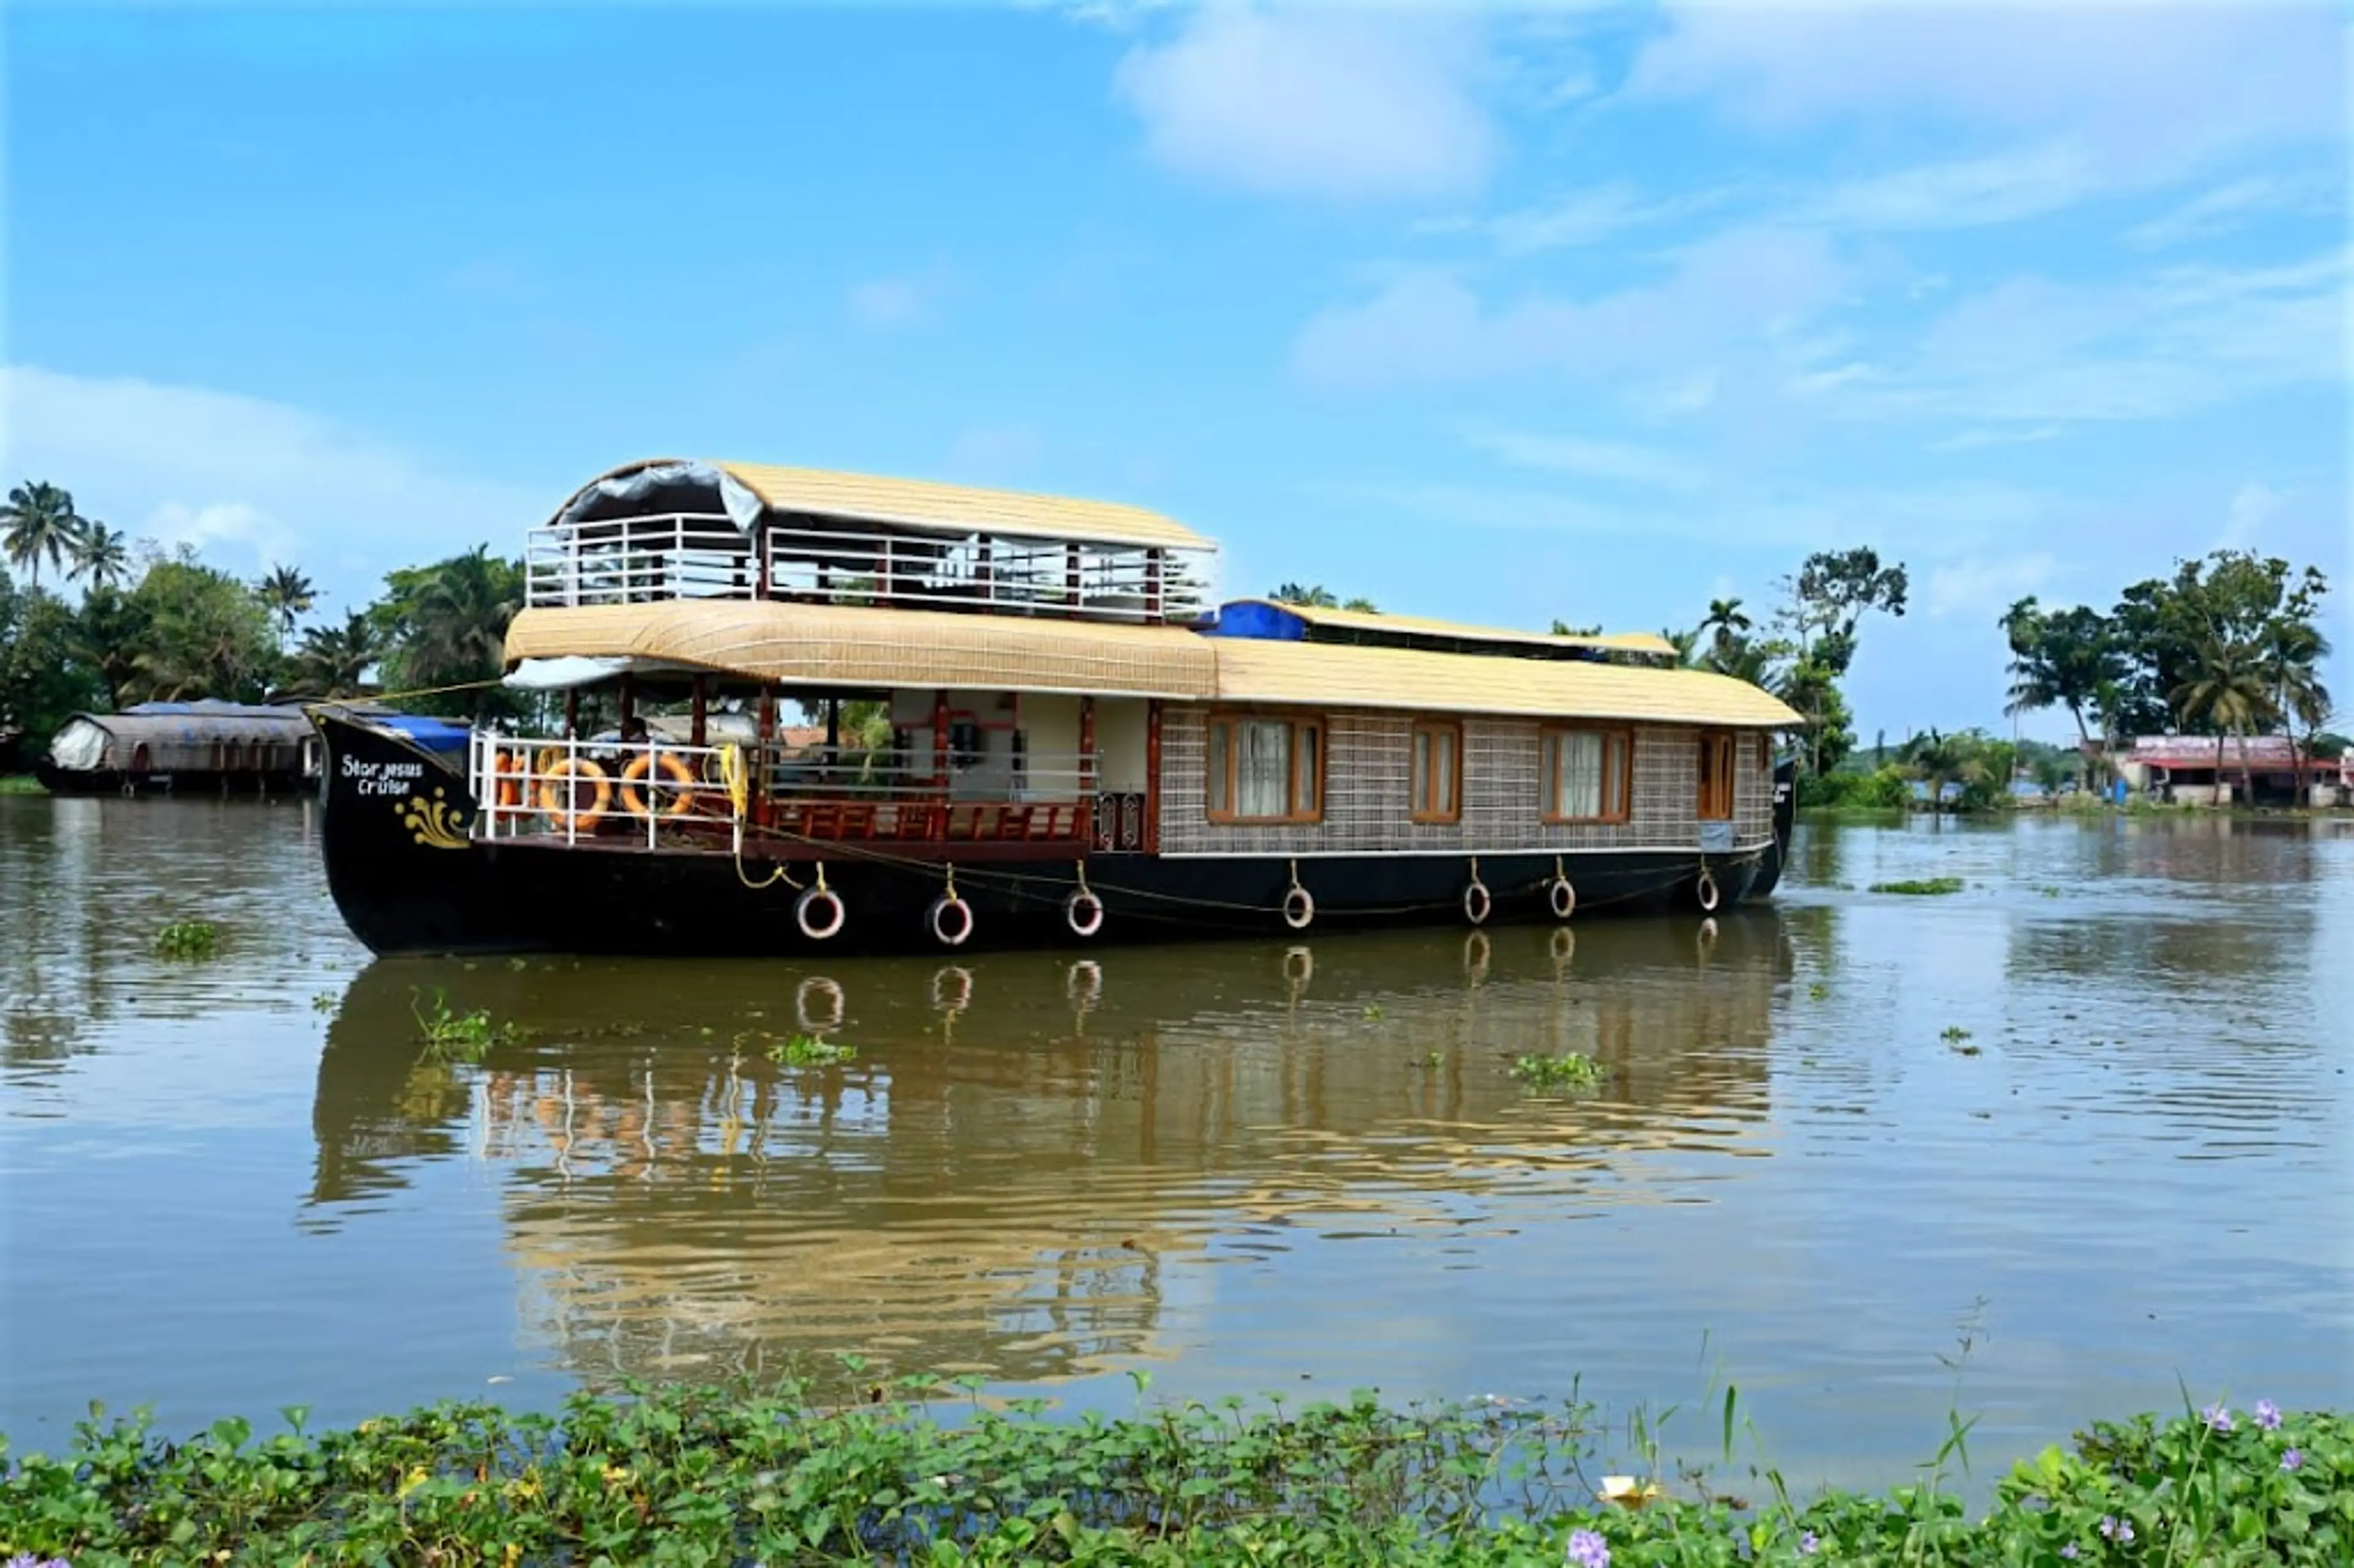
[(1786, 820), (407, 881), (194, 782)]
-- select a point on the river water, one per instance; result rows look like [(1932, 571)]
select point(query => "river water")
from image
[(232, 1185)]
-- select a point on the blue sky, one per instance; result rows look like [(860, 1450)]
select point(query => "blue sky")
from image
[(1588, 310)]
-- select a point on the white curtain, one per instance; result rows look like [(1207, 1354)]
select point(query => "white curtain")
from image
[(1262, 768), (1577, 775)]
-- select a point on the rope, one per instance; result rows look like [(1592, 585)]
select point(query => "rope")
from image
[(734, 779)]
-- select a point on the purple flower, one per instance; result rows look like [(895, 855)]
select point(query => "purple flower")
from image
[(2218, 1418), (2117, 1530), (2268, 1415), (1809, 1544), (2293, 1460), (1588, 1549), (2069, 1551)]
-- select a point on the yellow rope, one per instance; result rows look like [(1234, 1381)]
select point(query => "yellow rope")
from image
[(737, 780)]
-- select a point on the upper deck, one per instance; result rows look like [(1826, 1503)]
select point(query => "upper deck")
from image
[(672, 529)]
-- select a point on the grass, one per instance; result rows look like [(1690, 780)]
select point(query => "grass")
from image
[(774, 1476), (188, 939), (21, 784), (1570, 1070), (1957, 1039), (450, 1036), (809, 1050), (1921, 886)]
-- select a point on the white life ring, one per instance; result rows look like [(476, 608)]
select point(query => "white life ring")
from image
[(818, 928), (821, 986), (951, 920), (1299, 907), (1563, 897), (1706, 892), (1477, 903), (1083, 913)]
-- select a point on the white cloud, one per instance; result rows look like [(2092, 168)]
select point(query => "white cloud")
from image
[(1978, 585), (2139, 86), (2253, 504), (1978, 439), (1742, 286), (2218, 209), (1304, 102), (1961, 193), (1618, 462), (248, 480), (895, 301), (1589, 216)]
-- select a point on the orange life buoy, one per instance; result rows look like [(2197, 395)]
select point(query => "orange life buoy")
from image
[(554, 794), (680, 774), (508, 769)]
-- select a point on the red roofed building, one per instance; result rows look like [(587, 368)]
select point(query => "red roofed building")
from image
[(2180, 768)]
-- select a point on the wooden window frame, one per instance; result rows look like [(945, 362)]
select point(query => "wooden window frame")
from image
[(1710, 739), (1293, 817), (1550, 788), (1417, 806)]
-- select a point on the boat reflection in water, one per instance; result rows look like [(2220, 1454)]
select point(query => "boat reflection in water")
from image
[(1029, 1163)]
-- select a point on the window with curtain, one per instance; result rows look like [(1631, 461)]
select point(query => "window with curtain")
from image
[(1437, 783), (1715, 804), (1265, 770), (1587, 775)]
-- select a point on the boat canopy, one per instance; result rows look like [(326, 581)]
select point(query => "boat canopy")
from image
[(844, 646), (841, 646), (746, 491), (1342, 675)]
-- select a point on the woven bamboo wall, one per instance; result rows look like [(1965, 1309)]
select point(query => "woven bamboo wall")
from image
[(1366, 793)]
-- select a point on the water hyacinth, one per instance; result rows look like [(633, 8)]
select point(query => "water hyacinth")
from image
[(2218, 1418), (2120, 1530), (2268, 1415), (1588, 1549), (2293, 1460)]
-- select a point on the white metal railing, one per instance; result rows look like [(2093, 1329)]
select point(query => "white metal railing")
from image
[(569, 790), (668, 556), (526, 787), (987, 571), (639, 560)]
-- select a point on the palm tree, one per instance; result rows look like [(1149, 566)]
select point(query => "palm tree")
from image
[(1939, 760), (41, 521), (2292, 653), (287, 595), (1312, 596), (456, 630), (2227, 688), (100, 557), (333, 661)]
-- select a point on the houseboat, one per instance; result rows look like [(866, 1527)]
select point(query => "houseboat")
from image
[(1024, 720), (193, 747)]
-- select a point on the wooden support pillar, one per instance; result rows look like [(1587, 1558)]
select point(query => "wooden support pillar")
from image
[(940, 741), (832, 726), (572, 714), (1152, 777), (1071, 575), (1087, 781), (700, 734), (1153, 609), (629, 703), (761, 811)]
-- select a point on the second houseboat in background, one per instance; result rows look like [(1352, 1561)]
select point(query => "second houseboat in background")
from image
[(1021, 720)]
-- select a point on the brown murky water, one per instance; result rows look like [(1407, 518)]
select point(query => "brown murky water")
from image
[(233, 1185)]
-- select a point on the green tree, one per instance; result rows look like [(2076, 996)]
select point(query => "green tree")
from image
[(1307, 596), (109, 635), (288, 596), (334, 661), (42, 681), (100, 557), (446, 625), (206, 635), (39, 520), (2292, 658), (2227, 690), (1938, 759), (2061, 658), (1823, 606)]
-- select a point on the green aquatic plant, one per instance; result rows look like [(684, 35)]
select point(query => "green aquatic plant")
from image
[(188, 939), (453, 1036), (809, 1050), (323, 1001), (1817, 991), (776, 1476), (1957, 1039), (1570, 1070), (1921, 886), (1372, 1014)]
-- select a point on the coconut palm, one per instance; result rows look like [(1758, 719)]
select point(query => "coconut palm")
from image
[(2228, 688), (1939, 760), (2292, 653), (1314, 595), (100, 557), (456, 630), (288, 596), (40, 521), (334, 660)]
